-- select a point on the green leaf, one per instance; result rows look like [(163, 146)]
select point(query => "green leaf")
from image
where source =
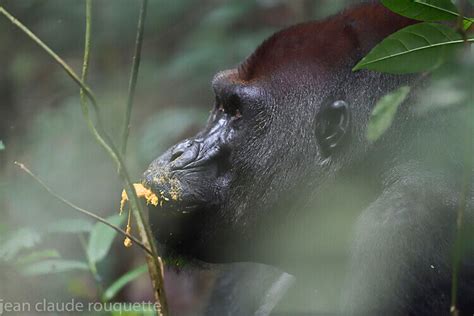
[(2, 146), (122, 281), (415, 48), (384, 112), (38, 256), (70, 226), (101, 239), (423, 10), (466, 23), (54, 266)]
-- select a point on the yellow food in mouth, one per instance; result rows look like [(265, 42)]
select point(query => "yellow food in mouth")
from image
[(142, 192), (151, 198)]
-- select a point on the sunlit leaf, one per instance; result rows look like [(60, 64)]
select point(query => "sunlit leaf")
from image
[(2, 146), (54, 266), (123, 281), (467, 23), (101, 239), (423, 10), (72, 226), (38, 255), (384, 112), (23, 238), (416, 48)]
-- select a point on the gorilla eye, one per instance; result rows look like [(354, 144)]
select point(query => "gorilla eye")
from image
[(332, 124), (230, 105)]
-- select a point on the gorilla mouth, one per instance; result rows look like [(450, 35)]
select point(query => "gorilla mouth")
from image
[(169, 193), (176, 207), (176, 221)]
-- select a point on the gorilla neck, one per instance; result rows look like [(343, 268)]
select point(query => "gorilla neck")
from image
[(317, 231), (320, 231)]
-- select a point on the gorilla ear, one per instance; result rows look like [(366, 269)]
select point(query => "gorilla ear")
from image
[(332, 124)]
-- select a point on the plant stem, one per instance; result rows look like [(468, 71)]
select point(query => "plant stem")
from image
[(458, 243), (154, 267), (81, 210), (460, 21), (154, 262), (134, 75)]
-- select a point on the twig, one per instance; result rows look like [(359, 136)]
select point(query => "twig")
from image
[(155, 268), (460, 22), (81, 210), (85, 63), (86, 90), (458, 242), (134, 74)]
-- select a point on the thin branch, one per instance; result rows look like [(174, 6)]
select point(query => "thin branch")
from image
[(458, 243), (463, 199), (50, 52), (134, 74), (460, 22), (155, 269), (86, 58), (81, 210), (86, 90)]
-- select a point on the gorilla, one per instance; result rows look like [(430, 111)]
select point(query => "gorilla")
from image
[(283, 171)]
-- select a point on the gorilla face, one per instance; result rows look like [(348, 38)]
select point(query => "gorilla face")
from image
[(284, 124), (247, 168)]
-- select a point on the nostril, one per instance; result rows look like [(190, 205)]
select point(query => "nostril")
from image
[(183, 154), (176, 155)]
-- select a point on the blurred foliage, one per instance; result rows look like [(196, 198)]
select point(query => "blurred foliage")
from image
[(118, 285), (101, 239), (384, 112), (417, 48)]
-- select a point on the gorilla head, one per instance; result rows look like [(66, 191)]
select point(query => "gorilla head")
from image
[(287, 122)]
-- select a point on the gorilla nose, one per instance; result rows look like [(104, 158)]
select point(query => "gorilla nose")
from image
[(183, 154)]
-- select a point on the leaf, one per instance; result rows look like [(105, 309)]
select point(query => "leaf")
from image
[(415, 48), (384, 112), (2, 145), (38, 255), (466, 23), (423, 10), (71, 225), (54, 266), (24, 238), (122, 281), (101, 239)]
